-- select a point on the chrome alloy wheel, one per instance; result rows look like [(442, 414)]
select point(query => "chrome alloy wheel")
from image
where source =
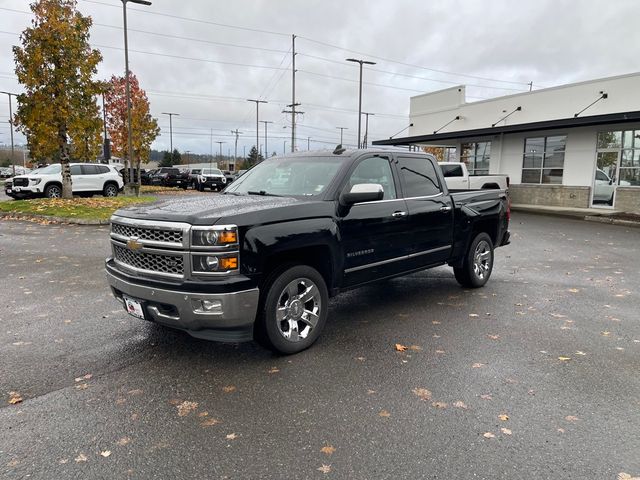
[(482, 259), (298, 309)]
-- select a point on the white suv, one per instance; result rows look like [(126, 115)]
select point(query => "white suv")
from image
[(87, 178)]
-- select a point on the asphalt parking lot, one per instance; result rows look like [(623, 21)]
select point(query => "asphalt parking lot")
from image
[(534, 376)]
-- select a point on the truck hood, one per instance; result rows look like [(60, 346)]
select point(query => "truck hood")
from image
[(229, 209)]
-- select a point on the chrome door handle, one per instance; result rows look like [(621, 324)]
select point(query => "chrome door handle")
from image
[(446, 208), (399, 214)]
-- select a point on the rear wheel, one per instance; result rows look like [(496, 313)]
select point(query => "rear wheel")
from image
[(110, 190), (53, 191), (294, 310), (478, 263)]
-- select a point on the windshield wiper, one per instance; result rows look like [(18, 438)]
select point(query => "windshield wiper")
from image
[(263, 193)]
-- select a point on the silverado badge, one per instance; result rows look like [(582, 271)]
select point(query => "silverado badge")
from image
[(133, 243)]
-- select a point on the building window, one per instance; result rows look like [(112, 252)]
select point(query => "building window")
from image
[(543, 160), (630, 159), (476, 156)]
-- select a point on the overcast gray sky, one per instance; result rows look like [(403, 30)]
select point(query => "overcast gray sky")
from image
[(494, 46)]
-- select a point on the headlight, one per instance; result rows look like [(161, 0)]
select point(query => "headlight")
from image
[(224, 179), (214, 237), (35, 181), (215, 263)]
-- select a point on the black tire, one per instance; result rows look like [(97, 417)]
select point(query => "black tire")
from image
[(53, 191), (110, 190), (308, 317), (478, 263)]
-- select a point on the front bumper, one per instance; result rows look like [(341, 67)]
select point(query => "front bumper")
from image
[(231, 321)]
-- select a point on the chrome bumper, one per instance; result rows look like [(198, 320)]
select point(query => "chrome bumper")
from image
[(230, 318)]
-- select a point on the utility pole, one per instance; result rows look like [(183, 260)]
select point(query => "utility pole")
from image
[(531, 85), (266, 148), (293, 93), (284, 148), (210, 146), (11, 128), (131, 186), (186, 154), (258, 102), (365, 142), (220, 144), (235, 152), (308, 143), (171, 115), (293, 113), (360, 62), (341, 130)]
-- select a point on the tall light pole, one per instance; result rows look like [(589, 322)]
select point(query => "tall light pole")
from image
[(131, 185), (361, 62), (11, 128), (171, 115), (266, 148), (186, 154), (284, 148), (365, 142), (342, 129), (258, 102), (235, 152), (308, 143), (220, 144)]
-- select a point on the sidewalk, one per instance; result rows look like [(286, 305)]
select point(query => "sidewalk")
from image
[(589, 214)]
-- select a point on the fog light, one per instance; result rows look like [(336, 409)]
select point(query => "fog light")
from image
[(212, 306)]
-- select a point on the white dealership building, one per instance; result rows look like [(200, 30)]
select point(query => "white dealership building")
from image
[(575, 145)]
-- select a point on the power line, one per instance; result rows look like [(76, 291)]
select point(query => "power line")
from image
[(356, 81)]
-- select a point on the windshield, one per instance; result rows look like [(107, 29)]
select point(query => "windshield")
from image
[(55, 168), (294, 176), (211, 171)]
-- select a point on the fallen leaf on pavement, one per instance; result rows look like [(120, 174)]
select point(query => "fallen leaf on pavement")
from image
[(400, 347), (209, 422), (506, 431), (85, 377), (477, 365), (435, 322), (384, 413), (62, 461), (14, 398), (571, 418), (361, 359), (105, 453), (415, 348), (494, 337), (231, 436), (473, 315), (203, 414), (423, 393), (229, 389), (324, 468), (564, 359), (486, 396), (626, 476), (442, 405), (123, 441), (488, 435), (440, 351), (580, 353), (135, 391), (460, 404), (273, 370), (605, 334), (81, 458), (328, 450), (81, 386), (186, 407), (504, 417), (561, 430), (573, 290)]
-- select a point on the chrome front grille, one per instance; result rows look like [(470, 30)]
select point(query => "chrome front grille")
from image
[(162, 235), (153, 263), (20, 182)]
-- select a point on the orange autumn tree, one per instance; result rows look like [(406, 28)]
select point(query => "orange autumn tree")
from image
[(144, 128)]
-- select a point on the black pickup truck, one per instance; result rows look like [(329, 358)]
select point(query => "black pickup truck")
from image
[(169, 177), (262, 259)]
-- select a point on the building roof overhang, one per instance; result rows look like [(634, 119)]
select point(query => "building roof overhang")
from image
[(563, 123)]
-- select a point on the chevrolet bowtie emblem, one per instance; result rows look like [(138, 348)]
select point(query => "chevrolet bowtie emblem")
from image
[(133, 243)]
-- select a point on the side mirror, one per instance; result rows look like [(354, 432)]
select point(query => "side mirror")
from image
[(362, 192)]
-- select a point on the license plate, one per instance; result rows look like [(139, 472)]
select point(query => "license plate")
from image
[(133, 306)]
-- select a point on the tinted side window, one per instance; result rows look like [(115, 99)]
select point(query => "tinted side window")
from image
[(451, 170), (75, 170), (418, 176), (374, 170), (90, 169), (103, 169)]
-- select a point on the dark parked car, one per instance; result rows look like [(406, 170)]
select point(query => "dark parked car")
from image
[(169, 177), (262, 259)]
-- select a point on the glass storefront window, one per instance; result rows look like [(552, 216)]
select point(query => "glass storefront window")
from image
[(609, 139), (626, 144), (476, 156), (543, 159)]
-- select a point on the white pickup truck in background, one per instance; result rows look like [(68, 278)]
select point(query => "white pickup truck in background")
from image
[(457, 177)]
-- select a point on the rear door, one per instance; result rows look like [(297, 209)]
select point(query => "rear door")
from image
[(79, 181), (374, 234), (430, 210)]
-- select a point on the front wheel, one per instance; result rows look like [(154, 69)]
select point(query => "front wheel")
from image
[(478, 263), (53, 191), (294, 310), (110, 190)]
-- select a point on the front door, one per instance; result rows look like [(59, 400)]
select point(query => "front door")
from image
[(374, 234), (605, 178)]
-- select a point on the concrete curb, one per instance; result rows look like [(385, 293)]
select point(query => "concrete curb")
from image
[(612, 221), (32, 217)]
